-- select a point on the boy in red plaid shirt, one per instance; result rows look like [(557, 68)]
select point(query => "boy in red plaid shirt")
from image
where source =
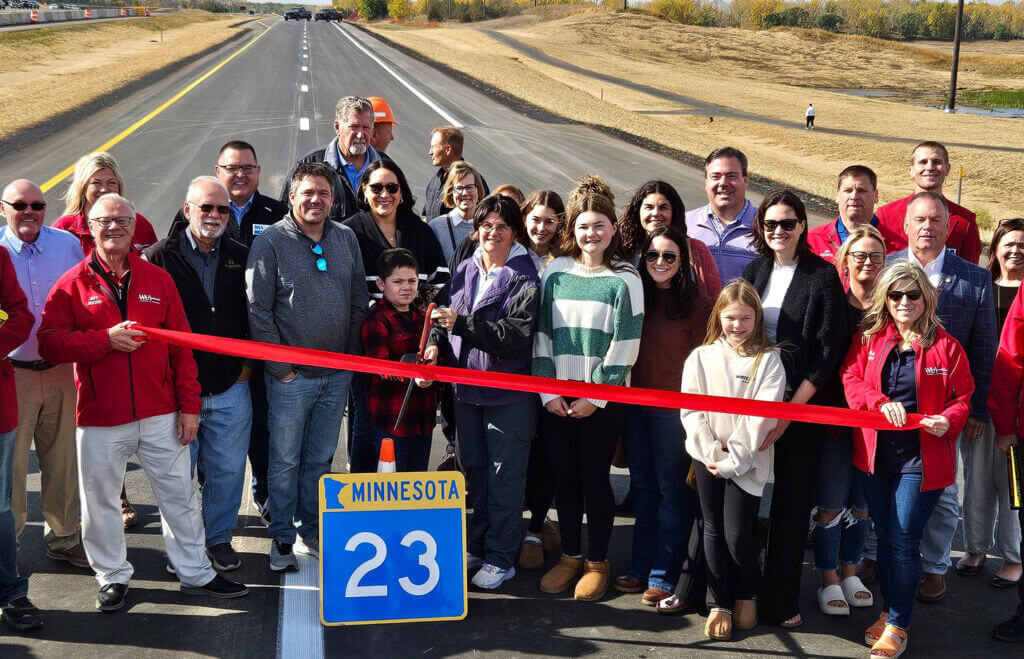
[(393, 329)]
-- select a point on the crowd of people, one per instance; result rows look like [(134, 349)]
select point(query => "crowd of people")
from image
[(881, 309)]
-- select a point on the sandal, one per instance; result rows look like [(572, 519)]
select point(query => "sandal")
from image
[(128, 514), (674, 605), (874, 632), (853, 586), (892, 643), (828, 601), (792, 623), (719, 624)]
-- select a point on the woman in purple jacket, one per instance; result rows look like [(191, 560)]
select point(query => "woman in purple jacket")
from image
[(489, 326)]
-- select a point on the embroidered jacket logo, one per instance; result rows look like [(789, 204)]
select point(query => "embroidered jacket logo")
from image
[(936, 370), (145, 297), (93, 299)]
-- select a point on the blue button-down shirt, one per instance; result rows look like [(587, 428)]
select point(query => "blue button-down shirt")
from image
[(39, 265), (844, 234), (238, 212), (356, 175)]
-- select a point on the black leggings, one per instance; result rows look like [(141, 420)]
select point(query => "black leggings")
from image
[(540, 482), (730, 552), (581, 452)]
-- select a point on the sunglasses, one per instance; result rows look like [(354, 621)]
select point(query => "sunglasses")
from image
[(208, 208), (377, 188), (787, 225), (668, 257), (860, 257), (913, 295), (121, 221), (321, 262), (22, 205)]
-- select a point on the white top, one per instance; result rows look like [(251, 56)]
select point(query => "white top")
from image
[(774, 293), (810, 111), (933, 269), (732, 442)]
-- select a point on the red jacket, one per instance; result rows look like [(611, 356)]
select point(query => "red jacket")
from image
[(963, 236), (1006, 394), (13, 332), (117, 387), (77, 226), (944, 386), (824, 241)]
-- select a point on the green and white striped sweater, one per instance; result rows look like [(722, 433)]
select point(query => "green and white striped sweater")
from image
[(589, 324)]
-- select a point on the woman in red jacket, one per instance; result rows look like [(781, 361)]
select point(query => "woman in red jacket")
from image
[(903, 362)]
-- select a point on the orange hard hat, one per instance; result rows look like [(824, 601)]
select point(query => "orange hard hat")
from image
[(382, 113)]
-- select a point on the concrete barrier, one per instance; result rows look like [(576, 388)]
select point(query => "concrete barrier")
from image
[(17, 17)]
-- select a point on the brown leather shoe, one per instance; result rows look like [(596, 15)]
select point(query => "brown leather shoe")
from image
[(74, 555), (627, 584), (594, 582), (531, 555), (744, 614), (868, 571), (932, 588), (550, 535), (563, 575), (654, 595)]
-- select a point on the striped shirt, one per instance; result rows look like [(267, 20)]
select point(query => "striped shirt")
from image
[(589, 324)]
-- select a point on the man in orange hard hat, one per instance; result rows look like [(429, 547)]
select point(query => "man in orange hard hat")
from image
[(383, 124)]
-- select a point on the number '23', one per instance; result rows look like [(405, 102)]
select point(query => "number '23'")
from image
[(427, 560)]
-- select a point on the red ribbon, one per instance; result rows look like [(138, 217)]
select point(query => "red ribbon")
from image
[(833, 416)]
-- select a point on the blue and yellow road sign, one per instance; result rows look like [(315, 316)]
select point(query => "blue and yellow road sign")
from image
[(392, 547)]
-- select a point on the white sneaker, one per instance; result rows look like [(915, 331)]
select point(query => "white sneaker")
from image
[(473, 562), (307, 547), (490, 576)]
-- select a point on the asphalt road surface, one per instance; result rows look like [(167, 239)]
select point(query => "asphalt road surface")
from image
[(279, 94)]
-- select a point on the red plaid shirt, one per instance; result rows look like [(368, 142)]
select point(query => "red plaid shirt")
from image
[(389, 334)]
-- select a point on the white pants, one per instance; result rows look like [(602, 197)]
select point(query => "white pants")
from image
[(989, 522), (103, 454)]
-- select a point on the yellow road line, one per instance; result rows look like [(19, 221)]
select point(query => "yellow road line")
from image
[(143, 121)]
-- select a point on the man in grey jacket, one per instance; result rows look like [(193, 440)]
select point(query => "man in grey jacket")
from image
[(306, 287)]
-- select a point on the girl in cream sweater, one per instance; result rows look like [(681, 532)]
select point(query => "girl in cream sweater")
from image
[(730, 463)]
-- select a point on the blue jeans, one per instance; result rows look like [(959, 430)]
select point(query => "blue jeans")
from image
[(304, 421), (218, 455), (361, 457), (494, 442), (657, 468), (937, 540), (12, 585), (899, 510), (411, 453), (839, 491)]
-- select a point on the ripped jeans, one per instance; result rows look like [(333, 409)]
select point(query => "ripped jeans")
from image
[(839, 490)]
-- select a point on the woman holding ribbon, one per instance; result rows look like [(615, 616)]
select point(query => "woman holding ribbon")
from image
[(588, 330), (903, 362)]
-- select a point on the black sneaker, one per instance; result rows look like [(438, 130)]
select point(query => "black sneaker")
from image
[(218, 587), (448, 464), (262, 510), (112, 596), (223, 557), (1011, 631), (282, 557), (22, 615)]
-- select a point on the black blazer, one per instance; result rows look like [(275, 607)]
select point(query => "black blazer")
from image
[(812, 321), (263, 212)]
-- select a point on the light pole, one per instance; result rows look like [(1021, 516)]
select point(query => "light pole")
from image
[(951, 106)]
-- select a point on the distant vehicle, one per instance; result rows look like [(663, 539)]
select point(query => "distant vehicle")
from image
[(26, 4), (297, 14), (328, 15)]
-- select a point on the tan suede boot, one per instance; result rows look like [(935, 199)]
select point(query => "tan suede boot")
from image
[(744, 614), (551, 537), (531, 554), (594, 582), (563, 575)]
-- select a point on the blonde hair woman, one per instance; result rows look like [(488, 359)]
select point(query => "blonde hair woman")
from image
[(903, 362), (96, 175), (462, 191)]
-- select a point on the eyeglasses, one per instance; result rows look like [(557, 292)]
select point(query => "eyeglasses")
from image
[(377, 188), (787, 225), (860, 257), (668, 257), (464, 189), (208, 208), (22, 205), (245, 169), (913, 295), (121, 221), (321, 262), (495, 228)]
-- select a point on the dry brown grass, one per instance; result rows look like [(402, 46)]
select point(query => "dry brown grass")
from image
[(768, 73), (61, 69)]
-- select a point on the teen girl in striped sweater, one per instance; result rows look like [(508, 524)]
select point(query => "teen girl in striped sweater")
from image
[(589, 331)]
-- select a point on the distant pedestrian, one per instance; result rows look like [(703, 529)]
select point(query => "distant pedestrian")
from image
[(809, 117)]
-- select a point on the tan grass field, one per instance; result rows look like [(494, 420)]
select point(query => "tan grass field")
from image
[(49, 71), (766, 73)]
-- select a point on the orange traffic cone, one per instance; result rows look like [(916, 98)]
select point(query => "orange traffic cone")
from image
[(386, 463)]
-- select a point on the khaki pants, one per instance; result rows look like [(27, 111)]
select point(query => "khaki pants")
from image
[(46, 416)]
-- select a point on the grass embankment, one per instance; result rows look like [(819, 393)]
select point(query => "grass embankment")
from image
[(50, 71), (995, 98), (770, 74)]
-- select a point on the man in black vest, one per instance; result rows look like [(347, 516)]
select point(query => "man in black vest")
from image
[(208, 269)]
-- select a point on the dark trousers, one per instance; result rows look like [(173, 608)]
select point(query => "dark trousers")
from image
[(581, 452), (259, 436), (1020, 584), (540, 482), (797, 454), (693, 585), (729, 547), (362, 456)]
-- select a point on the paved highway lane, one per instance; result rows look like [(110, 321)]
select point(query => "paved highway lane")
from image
[(263, 95)]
